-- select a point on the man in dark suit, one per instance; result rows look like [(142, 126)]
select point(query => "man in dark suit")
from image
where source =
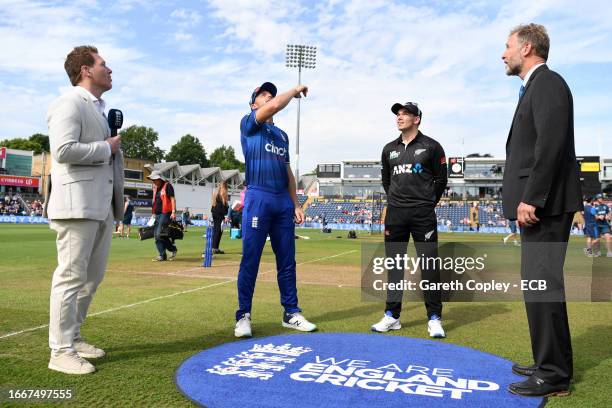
[(542, 192)]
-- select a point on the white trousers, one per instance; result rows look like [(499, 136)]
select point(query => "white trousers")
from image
[(82, 255)]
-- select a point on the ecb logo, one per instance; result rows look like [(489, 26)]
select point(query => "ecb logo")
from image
[(347, 370)]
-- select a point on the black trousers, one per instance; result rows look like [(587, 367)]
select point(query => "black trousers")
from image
[(543, 252), (217, 232), (162, 243), (421, 223)]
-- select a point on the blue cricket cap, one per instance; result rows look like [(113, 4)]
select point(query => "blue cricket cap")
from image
[(266, 86)]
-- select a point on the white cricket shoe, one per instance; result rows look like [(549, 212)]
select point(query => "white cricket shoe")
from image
[(386, 323), (434, 327), (86, 350), (298, 322), (243, 326), (70, 363)]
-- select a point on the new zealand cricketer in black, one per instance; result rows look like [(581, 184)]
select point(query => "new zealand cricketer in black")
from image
[(414, 176)]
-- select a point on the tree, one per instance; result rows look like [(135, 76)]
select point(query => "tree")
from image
[(19, 143), (42, 140), (225, 157), (479, 155), (188, 150), (138, 142)]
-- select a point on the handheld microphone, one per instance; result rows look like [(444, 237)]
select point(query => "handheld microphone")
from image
[(115, 120)]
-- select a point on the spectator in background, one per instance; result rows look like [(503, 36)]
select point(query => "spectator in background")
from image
[(474, 221), (219, 210), (164, 209), (128, 213), (185, 218), (235, 214)]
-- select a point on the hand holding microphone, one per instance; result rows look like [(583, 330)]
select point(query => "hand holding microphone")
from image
[(115, 121)]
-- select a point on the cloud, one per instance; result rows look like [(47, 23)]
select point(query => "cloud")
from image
[(186, 18)]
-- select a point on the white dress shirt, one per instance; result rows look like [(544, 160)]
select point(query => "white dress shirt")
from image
[(101, 106), (526, 79)]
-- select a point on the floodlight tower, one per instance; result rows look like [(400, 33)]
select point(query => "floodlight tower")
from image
[(300, 56)]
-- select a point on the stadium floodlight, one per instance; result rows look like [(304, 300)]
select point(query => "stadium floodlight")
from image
[(300, 56)]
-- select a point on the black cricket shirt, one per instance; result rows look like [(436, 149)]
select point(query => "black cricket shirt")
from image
[(414, 175)]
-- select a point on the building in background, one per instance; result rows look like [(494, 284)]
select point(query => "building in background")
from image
[(469, 178), (16, 174), (194, 185)]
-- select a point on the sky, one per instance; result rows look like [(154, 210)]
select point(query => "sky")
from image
[(190, 66)]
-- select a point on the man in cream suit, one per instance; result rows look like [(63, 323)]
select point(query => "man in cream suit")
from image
[(86, 196)]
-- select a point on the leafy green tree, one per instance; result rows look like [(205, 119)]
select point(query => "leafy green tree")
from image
[(225, 157), (188, 150), (138, 142), (19, 143), (42, 140)]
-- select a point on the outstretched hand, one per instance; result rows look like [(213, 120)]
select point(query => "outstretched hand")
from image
[(301, 90)]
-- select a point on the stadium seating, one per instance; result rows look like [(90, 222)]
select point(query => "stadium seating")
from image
[(302, 199), (359, 212), (489, 214), (348, 212)]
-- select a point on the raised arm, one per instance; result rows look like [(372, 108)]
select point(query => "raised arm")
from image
[(279, 102)]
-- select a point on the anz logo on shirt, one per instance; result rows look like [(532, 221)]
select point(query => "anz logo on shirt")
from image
[(407, 169)]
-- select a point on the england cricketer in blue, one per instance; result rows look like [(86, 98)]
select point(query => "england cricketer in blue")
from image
[(271, 206)]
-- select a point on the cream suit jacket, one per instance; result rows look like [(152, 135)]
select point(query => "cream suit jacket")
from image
[(85, 179)]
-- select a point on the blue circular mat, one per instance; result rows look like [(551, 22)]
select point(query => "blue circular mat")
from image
[(347, 370)]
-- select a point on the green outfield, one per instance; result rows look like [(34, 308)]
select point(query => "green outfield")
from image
[(149, 317)]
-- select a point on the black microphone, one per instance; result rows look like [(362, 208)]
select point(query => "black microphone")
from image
[(115, 120)]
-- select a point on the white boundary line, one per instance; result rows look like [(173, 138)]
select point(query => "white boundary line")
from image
[(142, 302)]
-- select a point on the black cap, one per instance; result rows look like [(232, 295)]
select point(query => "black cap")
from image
[(411, 107), (266, 86)]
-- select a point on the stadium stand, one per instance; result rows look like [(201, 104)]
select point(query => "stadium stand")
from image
[(13, 204), (453, 215), (302, 199), (344, 211)]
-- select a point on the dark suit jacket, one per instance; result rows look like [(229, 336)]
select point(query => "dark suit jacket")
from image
[(541, 167)]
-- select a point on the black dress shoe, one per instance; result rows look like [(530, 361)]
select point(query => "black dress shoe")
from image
[(527, 371), (536, 387)]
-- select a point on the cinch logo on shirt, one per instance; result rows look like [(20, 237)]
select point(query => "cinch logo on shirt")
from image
[(280, 151)]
